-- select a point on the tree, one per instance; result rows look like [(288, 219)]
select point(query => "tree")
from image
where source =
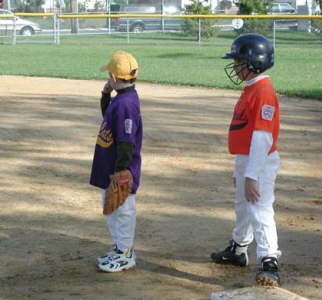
[(30, 6), (74, 22), (191, 26), (316, 25), (248, 7), (225, 4), (319, 2)]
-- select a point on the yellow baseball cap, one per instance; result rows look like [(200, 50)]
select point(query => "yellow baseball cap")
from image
[(123, 65)]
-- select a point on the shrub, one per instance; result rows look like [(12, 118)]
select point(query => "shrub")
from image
[(261, 26), (191, 26), (30, 6), (316, 27)]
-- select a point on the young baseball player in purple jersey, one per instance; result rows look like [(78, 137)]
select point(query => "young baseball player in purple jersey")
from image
[(118, 148)]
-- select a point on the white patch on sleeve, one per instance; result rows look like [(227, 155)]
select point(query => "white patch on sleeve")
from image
[(128, 126), (268, 112)]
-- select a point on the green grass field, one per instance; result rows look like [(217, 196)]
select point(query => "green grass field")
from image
[(170, 59)]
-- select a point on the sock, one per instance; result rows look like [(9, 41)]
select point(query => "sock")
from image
[(241, 249)]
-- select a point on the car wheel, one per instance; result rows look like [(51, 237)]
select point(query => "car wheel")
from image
[(137, 28), (27, 31)]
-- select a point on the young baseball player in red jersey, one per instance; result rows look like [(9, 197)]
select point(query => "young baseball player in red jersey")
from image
[(253, 135)]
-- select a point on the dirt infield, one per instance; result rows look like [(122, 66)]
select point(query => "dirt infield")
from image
[(51, 227)]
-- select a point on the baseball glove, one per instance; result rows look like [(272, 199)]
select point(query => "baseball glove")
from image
[(118, 190)]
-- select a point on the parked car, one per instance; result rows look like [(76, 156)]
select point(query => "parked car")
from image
[(23, 26), (146, 24), (282, 9)]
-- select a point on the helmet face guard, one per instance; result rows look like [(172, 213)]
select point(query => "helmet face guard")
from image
[(235, 72)]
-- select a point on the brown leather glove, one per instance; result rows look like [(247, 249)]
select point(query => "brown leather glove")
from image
[(118, 190)]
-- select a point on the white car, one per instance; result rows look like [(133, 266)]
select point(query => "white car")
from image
[(23, 26), (282, 9)]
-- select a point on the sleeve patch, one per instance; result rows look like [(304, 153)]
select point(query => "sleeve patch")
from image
[(268, 112), (128, 126)]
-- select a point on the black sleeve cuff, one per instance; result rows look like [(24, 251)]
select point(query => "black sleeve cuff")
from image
[(124, 155), (105, 101)]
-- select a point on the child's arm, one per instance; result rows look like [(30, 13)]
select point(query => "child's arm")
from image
[(106, 96), (124, 155), (260, 145), (105, 101)]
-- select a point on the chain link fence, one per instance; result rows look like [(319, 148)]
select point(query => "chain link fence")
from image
[(145, 28)]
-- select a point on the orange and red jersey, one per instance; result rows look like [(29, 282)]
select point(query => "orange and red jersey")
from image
[(256, 109)]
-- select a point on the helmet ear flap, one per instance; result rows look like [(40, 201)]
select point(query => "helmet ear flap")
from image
[(252, 63), (258, 67), (250, 60), (256, 62)]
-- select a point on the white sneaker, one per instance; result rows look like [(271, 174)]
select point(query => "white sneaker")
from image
[(109, 255), (119, 263)]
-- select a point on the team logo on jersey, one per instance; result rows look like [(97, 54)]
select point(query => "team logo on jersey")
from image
[(128, 126), (240, 119), (268, 112), (104, 138)]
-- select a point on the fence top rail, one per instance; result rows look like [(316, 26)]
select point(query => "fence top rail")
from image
[(7, 16), (214, 16), (21, 14), (71, 16), (26, 15)]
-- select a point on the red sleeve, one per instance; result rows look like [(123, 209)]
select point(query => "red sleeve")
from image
[(265, 110)]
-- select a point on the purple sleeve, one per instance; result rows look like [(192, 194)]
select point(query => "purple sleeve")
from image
[(125, 123)]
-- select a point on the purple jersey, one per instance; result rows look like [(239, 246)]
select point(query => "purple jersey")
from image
[(121, 123)]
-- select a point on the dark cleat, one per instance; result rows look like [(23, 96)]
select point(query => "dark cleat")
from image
[(229, 256), (268, 274)]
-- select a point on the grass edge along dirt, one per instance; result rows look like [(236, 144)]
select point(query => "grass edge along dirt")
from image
[(297, 71)]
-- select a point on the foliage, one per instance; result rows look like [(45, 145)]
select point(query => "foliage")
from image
[(191, 26), (261, 26), (81, 6), (316, 25), (248, 7), (30, 6), (225, 4), (99, 5), (120, 2), (319, 2)]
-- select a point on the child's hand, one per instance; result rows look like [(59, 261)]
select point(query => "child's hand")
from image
[(107, 87), (251, 191)]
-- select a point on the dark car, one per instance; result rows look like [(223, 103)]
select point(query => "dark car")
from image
[(139, 24)]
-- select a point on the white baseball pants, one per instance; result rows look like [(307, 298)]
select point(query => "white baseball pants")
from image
[(121, 223), (256, 220)]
